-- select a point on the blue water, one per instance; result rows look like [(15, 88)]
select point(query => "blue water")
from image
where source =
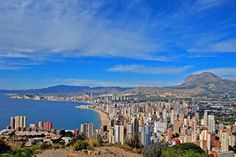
[(63, 115)]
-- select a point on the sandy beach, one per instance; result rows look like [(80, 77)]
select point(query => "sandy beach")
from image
[(103, 116)]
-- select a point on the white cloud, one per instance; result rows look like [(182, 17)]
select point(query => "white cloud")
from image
[(225, 72), (226, 46), (19, 65), (207, 4), (69, 28), (75, 28), (134, 68)]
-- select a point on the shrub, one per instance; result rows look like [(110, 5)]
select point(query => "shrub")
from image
[(80, 145)]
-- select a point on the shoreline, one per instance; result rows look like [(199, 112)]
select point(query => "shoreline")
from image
[(11, 96), (104, 119)]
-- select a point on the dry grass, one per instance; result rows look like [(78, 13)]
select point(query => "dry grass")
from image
[(97, 152)]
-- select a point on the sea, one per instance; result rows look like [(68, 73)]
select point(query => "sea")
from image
[(63, 115)]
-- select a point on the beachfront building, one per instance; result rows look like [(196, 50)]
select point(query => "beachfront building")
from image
[(18, 122), (119, 134), (45, 125), (87, 129)]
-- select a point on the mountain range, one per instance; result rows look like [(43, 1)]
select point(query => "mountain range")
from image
[(65, 89), (204, 84)]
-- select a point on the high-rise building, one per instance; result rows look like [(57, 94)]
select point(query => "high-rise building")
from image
[(135, 125), (45, 125), (224, 138), (232, 140), (172, 116), (119, 134), (18, 122), (164, 114), (111, 136), (87, 129), (142, 135), (209, 142), (211, 124), (146, 135), (122, 137), (129, 129), (205, 118), (12, 123)]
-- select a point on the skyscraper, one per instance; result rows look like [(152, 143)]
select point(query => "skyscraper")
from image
[(45, 125), (87, 129), (145, 135), (122, 138), (111, 137), (224, 138), (18, 122), (135, 125), (205, 118), (119, 134), (172, 116), (211, 124)]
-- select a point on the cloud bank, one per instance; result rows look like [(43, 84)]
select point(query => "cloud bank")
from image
[(134, 68)]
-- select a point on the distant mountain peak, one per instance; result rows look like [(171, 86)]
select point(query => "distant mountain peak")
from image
[(202, 77)]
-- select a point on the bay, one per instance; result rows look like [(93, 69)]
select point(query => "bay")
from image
[(63, 115)]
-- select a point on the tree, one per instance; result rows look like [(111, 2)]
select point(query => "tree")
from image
[(62, 133), (184, 150), (155, 150), (4, 147), (179, 150), (68, 134)]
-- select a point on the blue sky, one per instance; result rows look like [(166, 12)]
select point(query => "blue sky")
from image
[(114, 43)]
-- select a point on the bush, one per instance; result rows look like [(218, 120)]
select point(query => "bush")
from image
[(184, 150), (45, 146), (155, 150), (24, 153), (80, 145), (188, 147), (179, 150), (19, 153)]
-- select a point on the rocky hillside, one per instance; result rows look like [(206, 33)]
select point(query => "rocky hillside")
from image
[(210, 83), (204, 84)]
